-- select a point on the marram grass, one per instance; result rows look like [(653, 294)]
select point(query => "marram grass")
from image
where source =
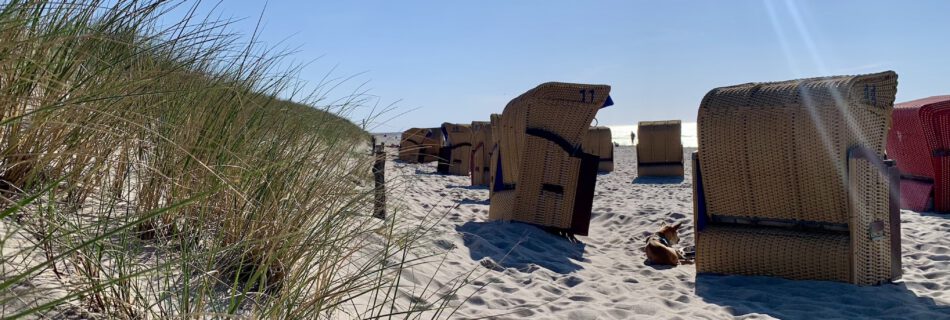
[(150, 172)]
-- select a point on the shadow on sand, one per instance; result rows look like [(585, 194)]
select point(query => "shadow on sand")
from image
[(473, 201), (658, 180), (478, 187), (521, 246), (787, 299), (930, 214), (428, 171)]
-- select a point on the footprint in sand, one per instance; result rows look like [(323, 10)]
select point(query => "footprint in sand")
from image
[(508, 289), (444, 244), (581, 298), (571, 281), (491, 264)]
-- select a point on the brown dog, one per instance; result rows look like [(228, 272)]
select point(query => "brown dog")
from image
[(659, 247)]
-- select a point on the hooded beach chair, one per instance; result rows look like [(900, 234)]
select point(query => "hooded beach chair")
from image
[(481, 147), (600, 143), (543, 175), (919, 141), (660, 149), (433, 145), (456, 152), (409, 145), (790, 180), (420, 145)]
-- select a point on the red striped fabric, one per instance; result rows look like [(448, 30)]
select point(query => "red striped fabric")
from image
[(906, 143), (919, 134), (915, 195)]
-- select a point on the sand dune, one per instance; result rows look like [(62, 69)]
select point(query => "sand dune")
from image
[(521, 271)]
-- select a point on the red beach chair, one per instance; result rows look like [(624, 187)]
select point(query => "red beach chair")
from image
[(919, 140)]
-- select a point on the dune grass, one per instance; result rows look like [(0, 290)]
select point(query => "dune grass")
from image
[(150, 171)]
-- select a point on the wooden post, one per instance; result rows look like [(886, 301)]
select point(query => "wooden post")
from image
[(379, 173)]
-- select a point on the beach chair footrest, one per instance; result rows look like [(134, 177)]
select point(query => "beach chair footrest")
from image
[(781, 252)]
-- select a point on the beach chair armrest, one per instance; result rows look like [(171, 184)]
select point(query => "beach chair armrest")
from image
[(874, 213), (700, 216)]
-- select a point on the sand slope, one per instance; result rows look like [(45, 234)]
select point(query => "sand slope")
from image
[(519, 271)]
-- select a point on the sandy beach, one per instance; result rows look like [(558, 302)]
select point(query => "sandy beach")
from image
[(521, 271), (193, 160)]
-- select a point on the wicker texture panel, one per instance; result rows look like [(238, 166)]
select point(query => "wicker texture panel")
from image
[(481, 144), (556, 108), (536, 166), (660, 142), (660, 149), (410, 144), (804, 153), (512, 140), (599, 142), (502, 205), (869, 203), (778, 150), (906, 142), (459, 140), (660, 170), (774, 252), (937, 130), (510, 137), (493, 152), (420, 145), (433, 144), (941, 198), (920, 141)]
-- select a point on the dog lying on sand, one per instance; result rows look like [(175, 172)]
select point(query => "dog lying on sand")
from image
[(660, 249)]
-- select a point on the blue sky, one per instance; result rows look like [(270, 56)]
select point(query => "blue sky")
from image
[(460, 61)]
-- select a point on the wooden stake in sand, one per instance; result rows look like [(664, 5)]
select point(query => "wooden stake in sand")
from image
[(379, 173)]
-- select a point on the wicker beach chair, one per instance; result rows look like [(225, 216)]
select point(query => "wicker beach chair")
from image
[(409, 145), (600, 143), (433, 145), (481, 149), (420, 145), (660, 149), (543, 176), (790, 181), (919, 141), (456, 152)]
